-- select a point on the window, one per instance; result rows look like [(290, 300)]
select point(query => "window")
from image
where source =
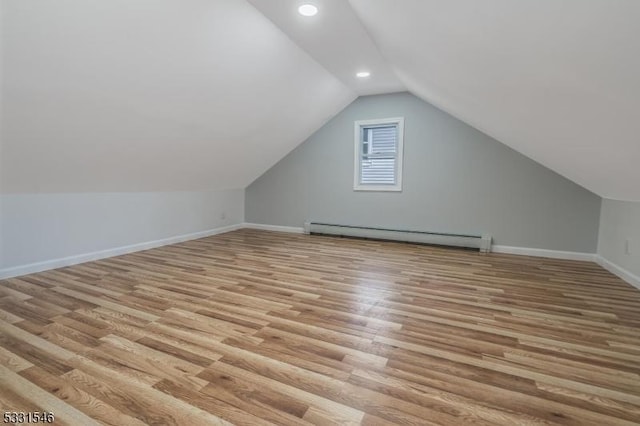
[(378, 155)]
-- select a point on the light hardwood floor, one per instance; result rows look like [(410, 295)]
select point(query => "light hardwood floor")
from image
[(252, 327)]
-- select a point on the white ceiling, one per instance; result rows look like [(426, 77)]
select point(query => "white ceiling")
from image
[(558, 81), (125, 95), (149, 95), (336, 38)]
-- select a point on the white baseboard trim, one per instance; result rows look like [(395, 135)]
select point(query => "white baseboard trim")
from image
[(117, 251), (277, 228), (102, 254), (522, 251), (553, 254), (627, 276)]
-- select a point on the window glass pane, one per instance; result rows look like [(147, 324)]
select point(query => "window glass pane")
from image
[(378, 162), (378, 171), (383, 139)]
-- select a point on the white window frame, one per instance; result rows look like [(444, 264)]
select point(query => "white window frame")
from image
[(357, 165)]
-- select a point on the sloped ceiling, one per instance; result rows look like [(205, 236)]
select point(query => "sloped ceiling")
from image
[(145, 95), (336, 38), (558, 81), (125, 95)]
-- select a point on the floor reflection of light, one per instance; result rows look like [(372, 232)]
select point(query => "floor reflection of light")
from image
[(370, 293)]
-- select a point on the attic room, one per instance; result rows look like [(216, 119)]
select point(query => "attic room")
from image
[(320, 212)]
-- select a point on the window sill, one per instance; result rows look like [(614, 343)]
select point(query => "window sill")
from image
[(378, 188)]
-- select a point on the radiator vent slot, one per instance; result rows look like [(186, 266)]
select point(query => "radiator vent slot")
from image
[(482, 243)]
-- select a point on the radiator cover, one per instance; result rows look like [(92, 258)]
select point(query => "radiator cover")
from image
[(482, 243)]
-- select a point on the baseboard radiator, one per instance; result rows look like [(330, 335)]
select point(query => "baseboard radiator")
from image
[(482, 243)]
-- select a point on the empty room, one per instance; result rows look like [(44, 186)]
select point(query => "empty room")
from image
[(328, 212)]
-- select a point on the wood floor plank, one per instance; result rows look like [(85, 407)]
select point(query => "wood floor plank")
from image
[(135, 397), (43, 399), (257, 327), (89, 405), (12, 361)]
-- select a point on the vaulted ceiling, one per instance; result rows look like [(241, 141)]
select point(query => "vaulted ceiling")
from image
[(146, 95), (558, 81), (125, 95)]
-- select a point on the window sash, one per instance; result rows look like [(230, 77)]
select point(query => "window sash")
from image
[(378, 154), (381, 144)]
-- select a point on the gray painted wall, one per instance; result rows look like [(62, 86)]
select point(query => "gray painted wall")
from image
[(619, 221), (456, 179), (45, 227)]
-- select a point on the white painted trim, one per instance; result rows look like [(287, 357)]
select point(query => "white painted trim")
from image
[(102, 254), (627, 276), (118, 251), (358, 125), (553, 254), (522, 251), (277, 228)]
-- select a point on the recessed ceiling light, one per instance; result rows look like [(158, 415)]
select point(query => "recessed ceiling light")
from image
[(307, 10), (363, 74)]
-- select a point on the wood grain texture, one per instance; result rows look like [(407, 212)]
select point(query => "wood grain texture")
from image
[(258, 327)]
